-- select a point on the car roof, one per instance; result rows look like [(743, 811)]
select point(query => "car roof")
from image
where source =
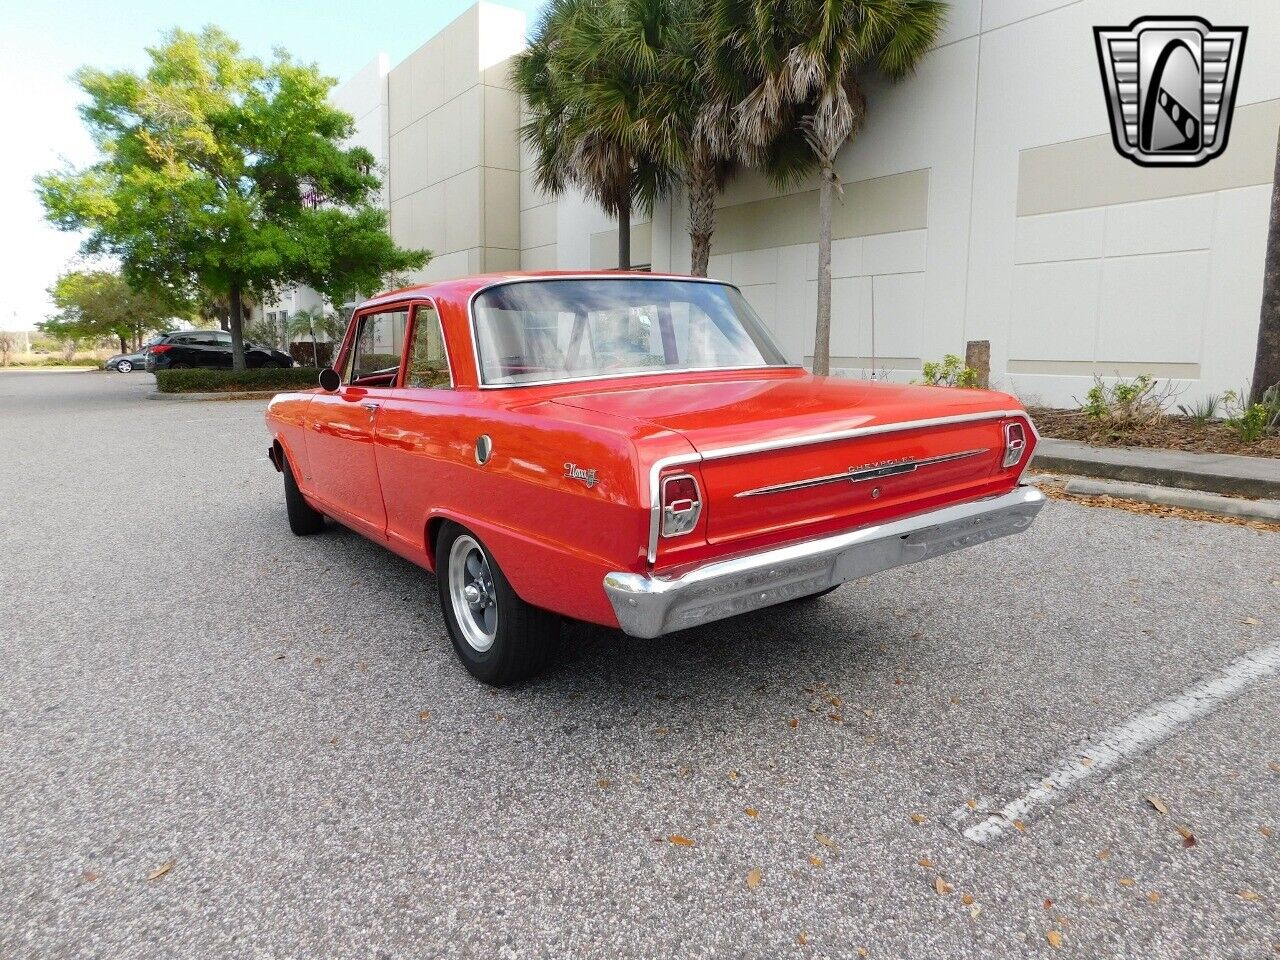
[(462, 288)]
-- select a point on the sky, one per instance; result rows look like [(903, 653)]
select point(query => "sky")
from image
[(43, 42)]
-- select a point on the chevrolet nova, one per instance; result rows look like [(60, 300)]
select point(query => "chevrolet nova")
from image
[(631, 450)]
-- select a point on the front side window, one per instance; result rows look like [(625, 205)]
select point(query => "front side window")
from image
[(379, 344), (428, 364), (549, 330)]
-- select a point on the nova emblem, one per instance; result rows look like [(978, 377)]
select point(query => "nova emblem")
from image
[(1170, 84), (574, 472)]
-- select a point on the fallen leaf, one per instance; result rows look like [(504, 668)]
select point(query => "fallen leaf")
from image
[(1265, 831), (319, 660), (967, 900), (1188, 838), (919, 818), (941, 886), (815, 861), (835, 701), (1249, 895), (1153, 897), (604, 784), (1249, 621), (1086, 761), (1275, 767), (752, 812), (753, 879), (835, 718), (1055, 939), (334, 741), (1104, 854), (794, 723), (823, 839), (862, 951), (971, 804), (975, 911), (680, 841), (161, 870), (91, 877), (1157, 803), (925, 862), (662, 731), (1020, 826), (362, 667), (1048, 904), (1125, 881), (801, 938), (733, 774), (424, 714)]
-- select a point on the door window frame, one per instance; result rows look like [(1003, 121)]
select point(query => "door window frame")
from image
[(347, 347)]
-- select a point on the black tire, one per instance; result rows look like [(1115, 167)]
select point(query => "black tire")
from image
[(304, 519), (124, 366), (524, 636)]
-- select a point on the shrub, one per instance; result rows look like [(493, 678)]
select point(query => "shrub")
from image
[(1202, 411), (226, 381), (1126, 405), (301, 351), (1253, 421), (951, 372)]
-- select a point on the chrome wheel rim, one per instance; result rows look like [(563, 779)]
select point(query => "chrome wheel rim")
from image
[(475, 602), (124, 366)]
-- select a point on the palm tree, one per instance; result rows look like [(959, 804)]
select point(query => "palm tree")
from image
[(804, 61), (584, 109), (314, 322)]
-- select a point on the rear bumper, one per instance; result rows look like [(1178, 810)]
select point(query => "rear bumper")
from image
[(649, 606)]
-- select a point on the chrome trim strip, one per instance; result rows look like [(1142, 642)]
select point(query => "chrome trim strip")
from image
[(785, 443), (649, 606), (507, 281), (860, 475)]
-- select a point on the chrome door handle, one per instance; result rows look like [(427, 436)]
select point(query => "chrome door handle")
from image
[(369, 405)]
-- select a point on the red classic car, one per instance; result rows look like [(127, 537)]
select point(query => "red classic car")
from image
[(631, 450)]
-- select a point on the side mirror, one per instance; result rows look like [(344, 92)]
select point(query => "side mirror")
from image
[(330, 380)]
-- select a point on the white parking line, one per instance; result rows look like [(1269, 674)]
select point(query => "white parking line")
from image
[(1150, 727)]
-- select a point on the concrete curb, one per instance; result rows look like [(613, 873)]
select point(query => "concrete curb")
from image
[(221, 395), (1210, 472), (1266, 510)]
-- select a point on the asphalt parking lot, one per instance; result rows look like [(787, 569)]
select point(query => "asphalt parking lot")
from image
[(218, 740)]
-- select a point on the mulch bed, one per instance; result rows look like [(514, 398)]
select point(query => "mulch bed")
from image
[(1171, 433)]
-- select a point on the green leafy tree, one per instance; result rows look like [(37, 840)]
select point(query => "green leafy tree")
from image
[(804, 62), (584, 107), (221, 174), (96, 304)]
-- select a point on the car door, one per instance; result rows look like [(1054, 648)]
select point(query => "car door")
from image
[(340, 438), (218, 349)]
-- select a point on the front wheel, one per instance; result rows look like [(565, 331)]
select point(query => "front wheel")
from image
[(124, 366), (499, 638), (304, 519)]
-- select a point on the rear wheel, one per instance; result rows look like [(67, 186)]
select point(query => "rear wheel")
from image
[(499, 638), (304, 519)]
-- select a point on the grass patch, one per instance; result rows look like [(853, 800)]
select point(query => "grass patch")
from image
[(229, 381)]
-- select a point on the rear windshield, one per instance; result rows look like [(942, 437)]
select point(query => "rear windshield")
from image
[(539, 331)]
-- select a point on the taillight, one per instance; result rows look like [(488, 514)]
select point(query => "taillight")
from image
[(162, 348), (1015, 443), (681, 505)]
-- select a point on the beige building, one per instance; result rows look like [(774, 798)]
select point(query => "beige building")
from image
[(983, 200)]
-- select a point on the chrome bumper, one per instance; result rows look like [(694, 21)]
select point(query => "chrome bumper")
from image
[(649, 606)]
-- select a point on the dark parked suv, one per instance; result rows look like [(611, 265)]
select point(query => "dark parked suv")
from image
[(208, 348)]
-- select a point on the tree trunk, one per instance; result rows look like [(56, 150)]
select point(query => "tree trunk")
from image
[(1266, 366), (624, 234), (822, 331), (702, 216), (124, 346), (235, 319)]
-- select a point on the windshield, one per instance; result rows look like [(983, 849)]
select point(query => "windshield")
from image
[(545, 330)]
